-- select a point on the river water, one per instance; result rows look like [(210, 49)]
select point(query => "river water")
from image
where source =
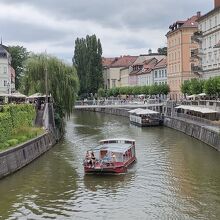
[(175, 177)]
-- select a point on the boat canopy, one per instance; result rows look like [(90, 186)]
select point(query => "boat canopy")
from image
[(140, 111), (117, 140), (114, 147), (196, 109)]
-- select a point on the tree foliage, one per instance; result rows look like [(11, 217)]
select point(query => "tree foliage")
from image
[(210, 86), (162, 51), (62, 80), (162, 89), (185, 88), (19, 55), (88, 62)]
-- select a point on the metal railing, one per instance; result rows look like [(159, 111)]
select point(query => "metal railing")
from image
[(197, 119)]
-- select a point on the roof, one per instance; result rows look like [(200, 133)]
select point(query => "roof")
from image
[(196, 109), (147, 66), (124, 61), (106, 62), (119, 145), (189, 23), (140, 111), (161, 64), (3, 51)]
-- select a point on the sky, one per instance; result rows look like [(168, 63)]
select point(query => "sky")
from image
[(125, 27)]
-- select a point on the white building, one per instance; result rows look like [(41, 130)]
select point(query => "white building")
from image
[(160, 72), (209, 39), (7, 73)]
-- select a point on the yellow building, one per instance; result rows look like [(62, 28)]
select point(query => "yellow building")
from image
[(179, 47)]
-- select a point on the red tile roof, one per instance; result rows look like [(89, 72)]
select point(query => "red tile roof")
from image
[(147, 67), (106, 62), (189, 23), (124, 61), (161, 64)]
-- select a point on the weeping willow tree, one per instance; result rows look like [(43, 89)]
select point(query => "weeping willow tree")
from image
[(63, 82)]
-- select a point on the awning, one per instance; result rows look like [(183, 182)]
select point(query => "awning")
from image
[(196, 109), (140, 111), (17, 95)]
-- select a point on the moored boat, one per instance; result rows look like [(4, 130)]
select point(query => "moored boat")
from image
[(145, 117), (110, 156)]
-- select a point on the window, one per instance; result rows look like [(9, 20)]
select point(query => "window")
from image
[(159, 73), (5, 70), (210, 42), (5, 83), (155, 74), (113, 82)]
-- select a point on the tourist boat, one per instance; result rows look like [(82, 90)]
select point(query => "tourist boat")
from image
[(145, 117), (110, 156)]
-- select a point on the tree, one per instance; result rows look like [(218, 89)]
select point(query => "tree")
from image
[(185, 88), (212, 86), (196, 86), (88, 62), (19, 55), (101, 92), (162, 51), (62, 81)]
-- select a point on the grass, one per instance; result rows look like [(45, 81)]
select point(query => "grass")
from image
[(20, 136)]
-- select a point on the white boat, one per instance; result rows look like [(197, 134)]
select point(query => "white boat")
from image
[(145, 117)]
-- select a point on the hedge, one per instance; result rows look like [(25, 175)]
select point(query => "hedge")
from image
[(13, 117)]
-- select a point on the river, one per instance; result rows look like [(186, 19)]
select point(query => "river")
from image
[(175, 177)]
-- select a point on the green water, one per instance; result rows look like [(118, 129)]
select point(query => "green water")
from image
[(175, 177)]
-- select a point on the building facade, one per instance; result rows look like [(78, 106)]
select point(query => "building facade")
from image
[(208, 37), (179, 48), (7, 73), (118, 71), (160, 72)]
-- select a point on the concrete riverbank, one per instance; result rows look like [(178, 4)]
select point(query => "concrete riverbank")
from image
[(14, 159)]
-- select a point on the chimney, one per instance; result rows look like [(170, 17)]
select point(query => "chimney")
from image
[(199, 14), (217, 3)]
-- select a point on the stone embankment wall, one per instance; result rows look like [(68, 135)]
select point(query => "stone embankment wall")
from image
[(18, 157), (201, 133), (113, 111)]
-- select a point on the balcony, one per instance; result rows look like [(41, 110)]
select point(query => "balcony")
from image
[(197, 37), (197, 69), (196, 54)]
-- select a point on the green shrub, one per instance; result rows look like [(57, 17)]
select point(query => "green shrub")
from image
[(12, 142), (22, 138)]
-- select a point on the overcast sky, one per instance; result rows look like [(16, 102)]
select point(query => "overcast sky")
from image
[(124, 26)]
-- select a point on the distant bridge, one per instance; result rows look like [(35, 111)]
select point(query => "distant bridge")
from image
[(119, 105)]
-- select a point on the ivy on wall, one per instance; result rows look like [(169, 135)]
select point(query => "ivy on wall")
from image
[(13, 117)]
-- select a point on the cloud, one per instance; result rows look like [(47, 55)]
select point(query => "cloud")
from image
[(124, 26)]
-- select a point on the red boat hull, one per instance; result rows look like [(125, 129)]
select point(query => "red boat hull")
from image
[(116, 168)]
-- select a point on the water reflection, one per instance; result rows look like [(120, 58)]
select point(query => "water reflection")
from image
[(110, 183), (40, 189)]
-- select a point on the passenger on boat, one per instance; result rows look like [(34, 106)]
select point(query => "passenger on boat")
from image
[(93, 159), (113, 158), (88, 158)]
